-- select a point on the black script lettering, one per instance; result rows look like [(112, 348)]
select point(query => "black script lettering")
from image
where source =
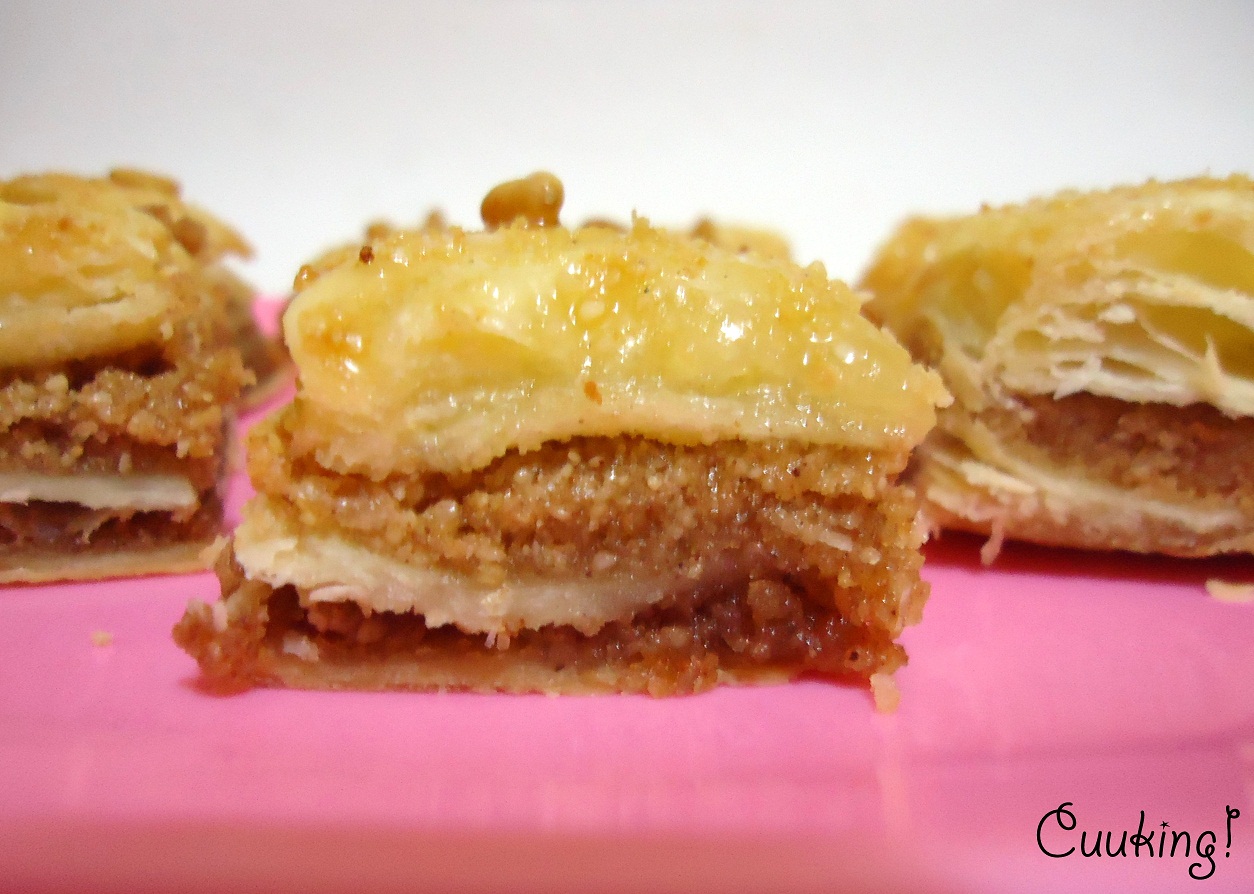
[(1198, 846), (1123, 840), (1206, 852), (1140, 839), (1066, 821), (1097, 845)]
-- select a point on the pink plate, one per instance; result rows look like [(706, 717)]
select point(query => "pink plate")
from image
[(1112, 684)]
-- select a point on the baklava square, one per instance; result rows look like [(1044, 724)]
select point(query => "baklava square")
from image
[(118, 376), (537, 459), (1100, 349)]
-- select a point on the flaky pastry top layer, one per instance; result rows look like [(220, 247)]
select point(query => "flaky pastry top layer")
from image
[(91, 266), (1145, 294), (441, 348)]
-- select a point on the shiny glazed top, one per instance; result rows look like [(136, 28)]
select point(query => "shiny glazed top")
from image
[(443, 349), (96, 266)]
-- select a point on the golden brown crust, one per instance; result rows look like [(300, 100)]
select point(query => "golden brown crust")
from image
[(470, 344)]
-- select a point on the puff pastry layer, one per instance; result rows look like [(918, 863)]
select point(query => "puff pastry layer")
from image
[(1100, 348)]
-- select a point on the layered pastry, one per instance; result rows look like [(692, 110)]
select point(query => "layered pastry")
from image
[(532, 458), (118, 376), (1100, 349)]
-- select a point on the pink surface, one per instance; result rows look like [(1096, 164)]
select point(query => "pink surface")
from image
[(1112, 682)]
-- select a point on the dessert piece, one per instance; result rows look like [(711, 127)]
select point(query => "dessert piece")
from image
[(542, 459), (1100, 349), (117, 377)]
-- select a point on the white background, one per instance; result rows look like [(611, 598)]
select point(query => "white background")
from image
[(299, 122)]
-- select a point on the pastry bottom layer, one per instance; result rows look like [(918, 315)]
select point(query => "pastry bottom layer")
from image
[(822, 550), (42, 542), (1096, 473), (752, 631)]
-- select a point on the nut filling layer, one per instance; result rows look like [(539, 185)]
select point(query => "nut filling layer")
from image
[(792, 561)]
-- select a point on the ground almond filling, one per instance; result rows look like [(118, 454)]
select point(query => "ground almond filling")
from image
[(577, 506), (821, 545), (46, 450)]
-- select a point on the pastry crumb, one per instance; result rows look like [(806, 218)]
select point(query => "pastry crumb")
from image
[(992, 546), (221, 618), (101, 638), (210, 553), (885, 693), (301, 646), (1226, 591)]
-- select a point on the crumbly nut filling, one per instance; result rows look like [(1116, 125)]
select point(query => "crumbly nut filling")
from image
[(581, 506), (1194, 450), (677, 646), (141, 413), (827, 546), (180, 411)]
